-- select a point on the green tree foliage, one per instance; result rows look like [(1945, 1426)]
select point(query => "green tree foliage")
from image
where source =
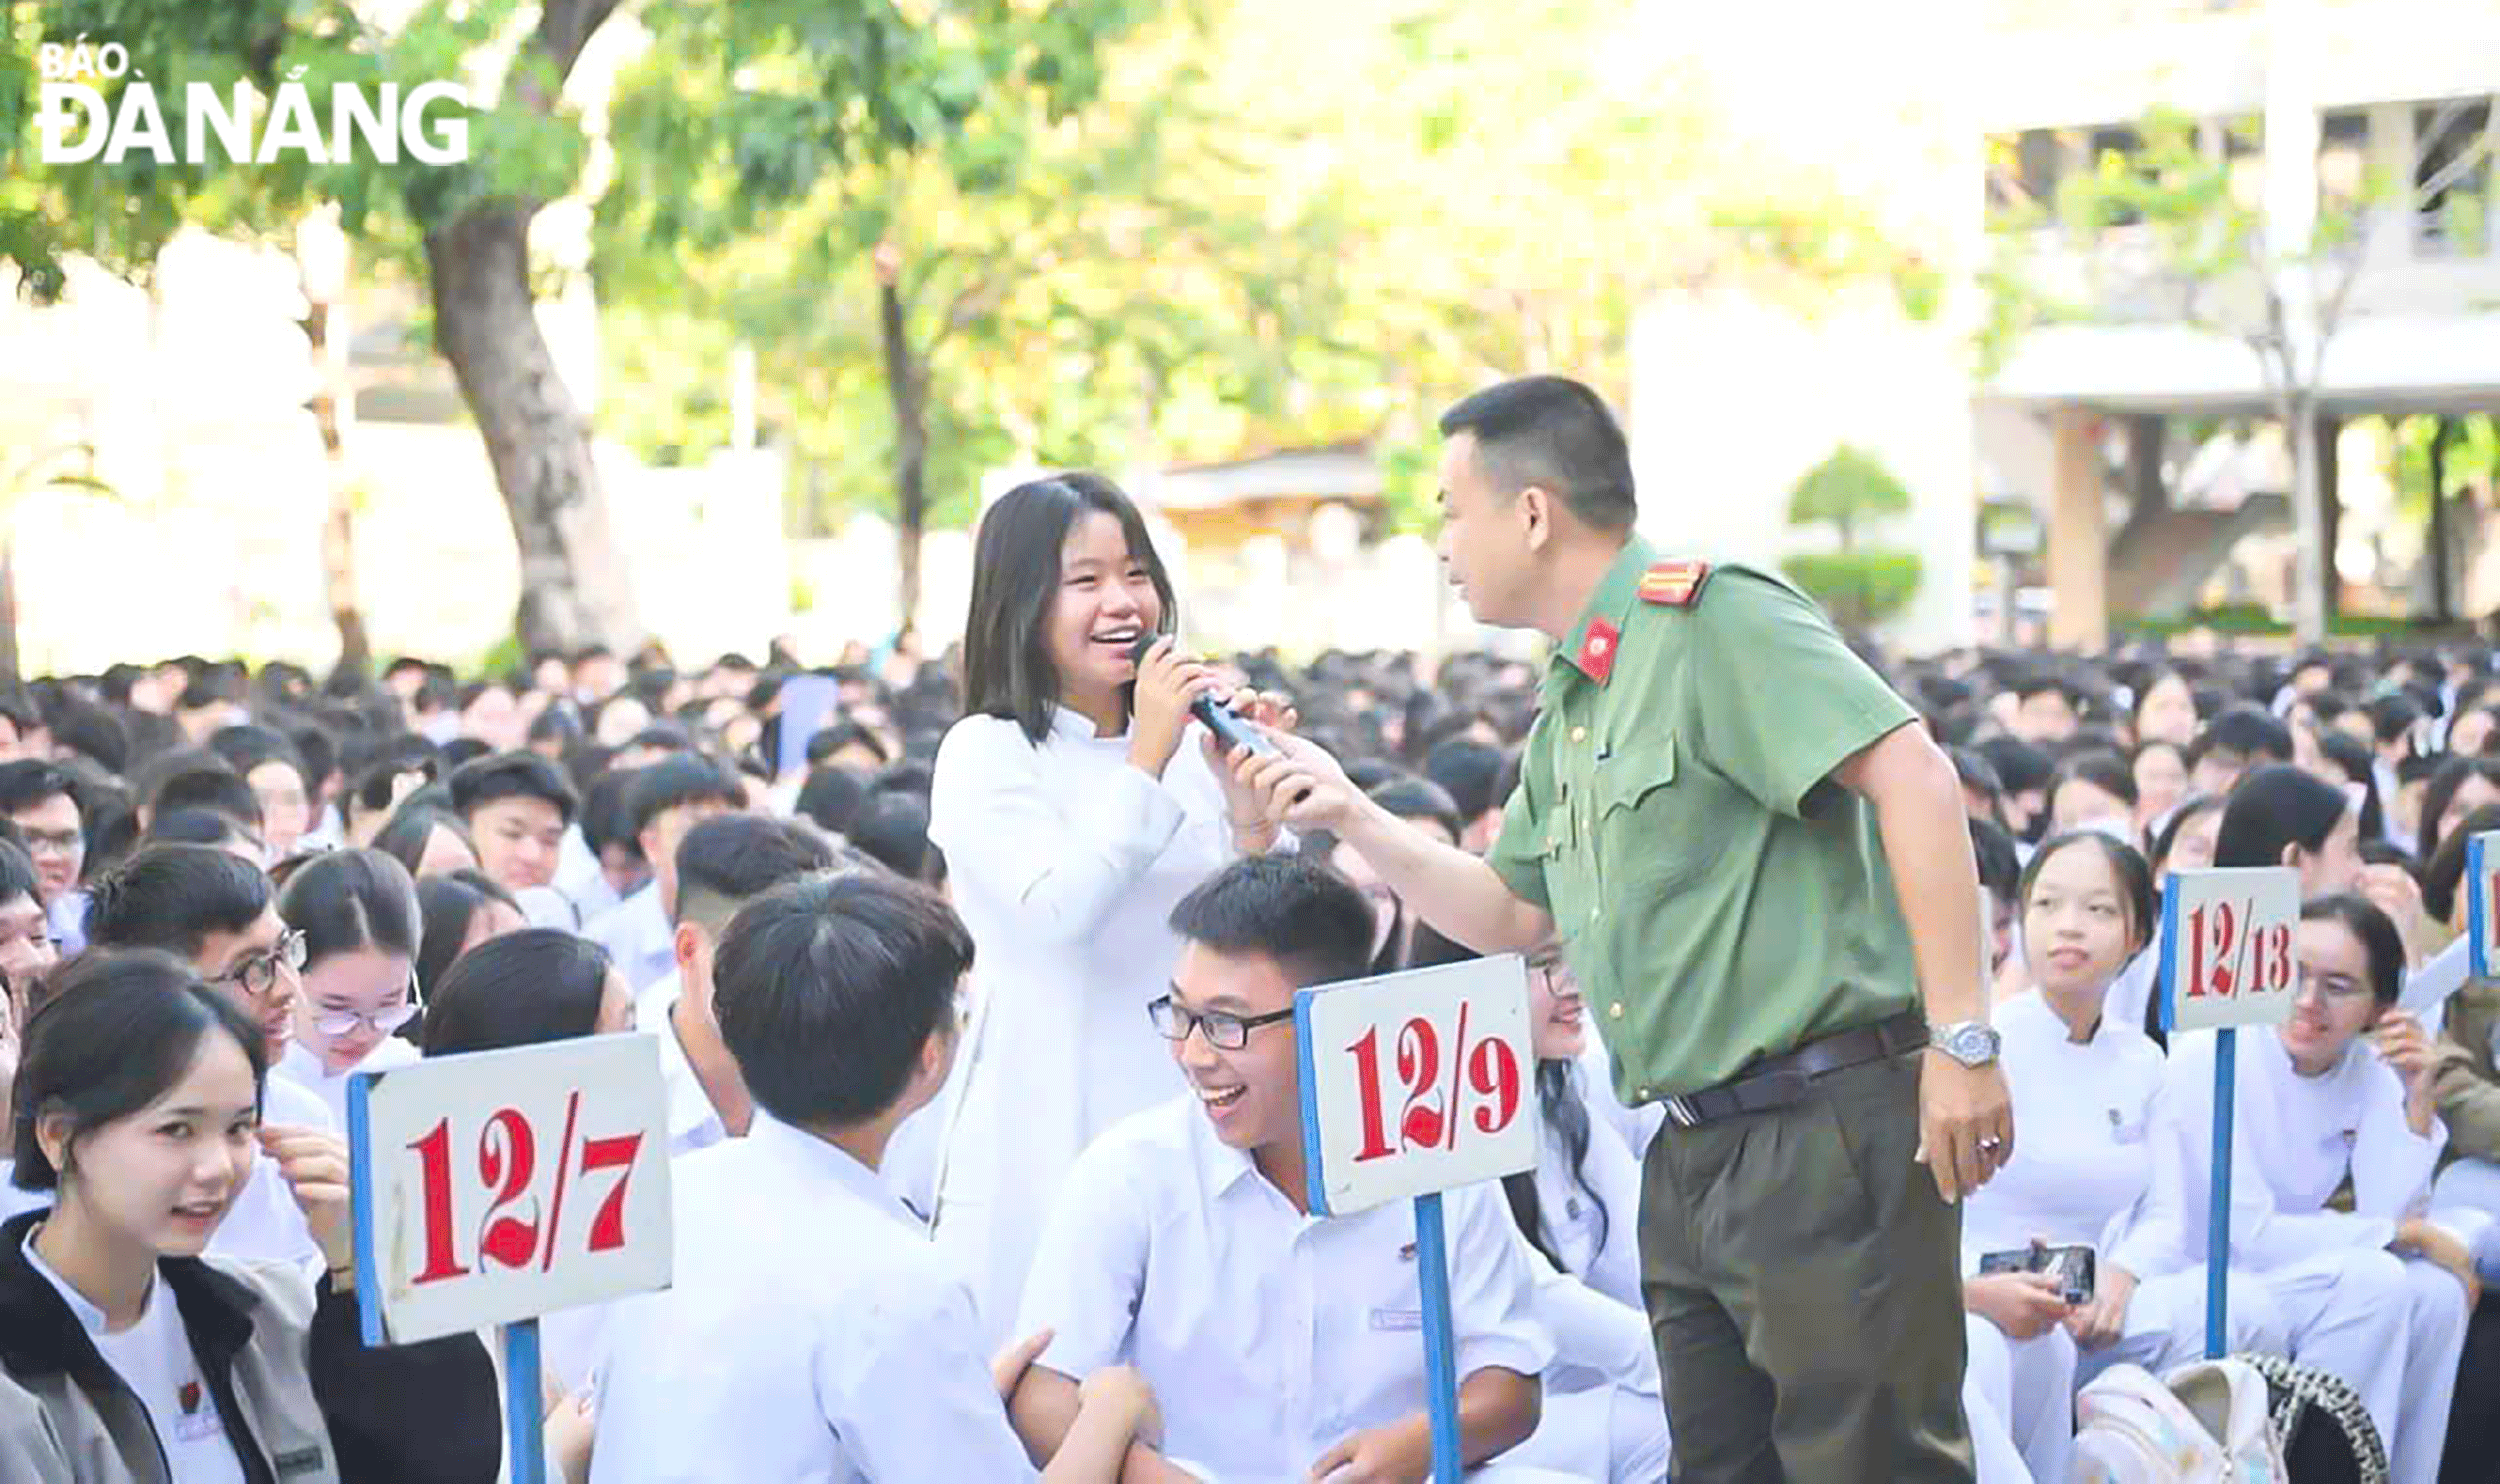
[(462, 228), (1848, 491)]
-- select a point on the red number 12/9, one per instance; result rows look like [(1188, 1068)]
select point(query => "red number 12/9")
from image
[(507, 1166), (1492, 1073)]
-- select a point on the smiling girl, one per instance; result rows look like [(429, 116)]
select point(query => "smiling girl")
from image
[(357, 910), (1076, 804), (125, 1354)]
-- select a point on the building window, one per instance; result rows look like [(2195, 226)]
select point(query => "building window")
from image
[(2343, 159), (2452, 176)]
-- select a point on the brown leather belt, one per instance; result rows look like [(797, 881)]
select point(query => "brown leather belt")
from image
[(1779, 1081)]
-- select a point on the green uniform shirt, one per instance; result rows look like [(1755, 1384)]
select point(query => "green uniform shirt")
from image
[(1718, 897)]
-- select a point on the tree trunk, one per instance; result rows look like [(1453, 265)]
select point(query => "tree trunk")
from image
[(2310, 561), (906, 388), (2443, 598), (2322, 449), (9, 667), (333, 407), (574, 588)]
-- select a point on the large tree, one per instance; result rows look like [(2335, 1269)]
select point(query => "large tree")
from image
[(464, 226)]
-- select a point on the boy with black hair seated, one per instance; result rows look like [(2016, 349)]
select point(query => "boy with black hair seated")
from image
[(1284, 1345), (813, 1331)]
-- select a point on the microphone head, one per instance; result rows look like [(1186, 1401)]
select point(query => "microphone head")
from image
[(1145, 641)]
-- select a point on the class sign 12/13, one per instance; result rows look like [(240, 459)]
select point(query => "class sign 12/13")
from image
[(1416, 1082), (496, 1186), (2229, 949)]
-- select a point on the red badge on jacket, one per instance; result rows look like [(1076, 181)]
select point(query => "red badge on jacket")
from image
[(1674, 584), (1596, 658)]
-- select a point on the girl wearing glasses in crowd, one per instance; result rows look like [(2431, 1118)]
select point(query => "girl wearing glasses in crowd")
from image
[(2341, 1092), (1076, 804), (1605, 1413), (133, 1352), (357, 911)]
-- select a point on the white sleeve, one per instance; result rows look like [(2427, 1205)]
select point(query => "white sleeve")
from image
[(1590, 1330), (1089, 1270), (1059, 862), (2391, 1165), (1492, 1286), (2263, 1235), (910, 1394)]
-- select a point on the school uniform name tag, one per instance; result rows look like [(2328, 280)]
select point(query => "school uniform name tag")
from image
[(2226, 955), (497, 1186), (2482, 904), (1416, 1082)]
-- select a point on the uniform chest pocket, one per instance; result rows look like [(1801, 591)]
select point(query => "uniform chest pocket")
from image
[(1652, 825)]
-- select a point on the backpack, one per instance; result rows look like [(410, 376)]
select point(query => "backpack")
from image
[(2207, 1425)]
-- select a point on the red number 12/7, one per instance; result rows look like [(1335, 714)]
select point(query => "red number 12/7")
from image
[(507, 1165)]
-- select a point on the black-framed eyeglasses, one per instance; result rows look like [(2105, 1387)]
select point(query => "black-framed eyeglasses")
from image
[(1224, 1031), (257, 975)]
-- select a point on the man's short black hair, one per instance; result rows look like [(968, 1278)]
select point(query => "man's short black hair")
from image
[(217, 790), (1311, 921), (680, 779), (28, 782), (173, 896), (892, 829), (1470, 771), (829, 987), (1557, 434), (17, 874), (730, 859), (831, 797), (2000, 867), (829, 740), (510, 775), (2245, 731), (2020, 766)]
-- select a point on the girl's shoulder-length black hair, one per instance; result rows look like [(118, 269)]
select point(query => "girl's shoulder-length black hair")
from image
[(1015, 576)]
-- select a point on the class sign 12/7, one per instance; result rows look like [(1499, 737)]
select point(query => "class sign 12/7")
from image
[(2229, 950), (1416, 1082), (502, 1185)]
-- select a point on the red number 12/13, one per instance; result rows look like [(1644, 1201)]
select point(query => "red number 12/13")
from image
[(507, 1165), (1491, 1071)]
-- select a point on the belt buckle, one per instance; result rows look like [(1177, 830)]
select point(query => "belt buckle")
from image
[(1680, 1113)]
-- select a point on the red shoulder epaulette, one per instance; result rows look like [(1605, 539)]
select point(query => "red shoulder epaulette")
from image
[(1674, 584)]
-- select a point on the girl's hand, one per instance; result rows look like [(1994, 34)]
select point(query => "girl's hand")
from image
[(2100, 1323), (314, 1164), (1166, 685)]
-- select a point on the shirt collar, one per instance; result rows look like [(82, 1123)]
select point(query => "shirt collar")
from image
[(1591, 647), (1220, 1165), (1067, 721), (811, 1158), (90, 1318)]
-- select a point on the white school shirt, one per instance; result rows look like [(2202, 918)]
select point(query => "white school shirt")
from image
[(637, 936), (2082, 1163), (1065, 863), (2294, 1139), (693, 1123), (813, 1336), (265, 1223), (1602, 1250), (154, 1359), (1268, 1335), (303, 1068)]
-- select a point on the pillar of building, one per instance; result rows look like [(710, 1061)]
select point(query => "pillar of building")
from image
[(2078, 534)]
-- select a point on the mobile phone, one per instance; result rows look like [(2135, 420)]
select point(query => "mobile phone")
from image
[(2077, 1270)]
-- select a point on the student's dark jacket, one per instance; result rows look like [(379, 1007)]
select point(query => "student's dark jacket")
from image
[(303, 1400)]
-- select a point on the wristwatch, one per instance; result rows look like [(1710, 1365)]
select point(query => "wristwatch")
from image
[(1973, 1043)]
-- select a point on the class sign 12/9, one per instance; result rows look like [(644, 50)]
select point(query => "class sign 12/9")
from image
[(501, 1185), (2229, 947), (1416, 1082)]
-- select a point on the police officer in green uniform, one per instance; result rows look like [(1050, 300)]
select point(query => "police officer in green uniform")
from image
[(1758, 866)]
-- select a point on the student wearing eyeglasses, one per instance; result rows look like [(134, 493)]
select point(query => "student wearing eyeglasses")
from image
[(204, 905), (357, 913), (1282, 1344), (2338, 1095)]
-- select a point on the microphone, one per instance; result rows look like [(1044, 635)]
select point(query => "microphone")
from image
[(1230, 731)]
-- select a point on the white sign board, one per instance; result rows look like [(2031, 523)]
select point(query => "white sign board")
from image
[(1416, 1082), (2482, 886), (2227, 947), (501, 1185)]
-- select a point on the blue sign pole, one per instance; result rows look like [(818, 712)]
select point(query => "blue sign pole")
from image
[(525, 1432), (2477, 915), (2218, 1213), (1432, 1266)]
